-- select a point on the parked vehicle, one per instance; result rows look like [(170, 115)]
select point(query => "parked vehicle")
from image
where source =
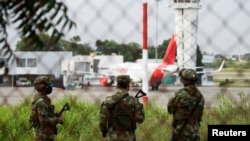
[(23, 81)]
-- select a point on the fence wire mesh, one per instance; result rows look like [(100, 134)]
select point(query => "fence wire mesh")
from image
[(223, 28)]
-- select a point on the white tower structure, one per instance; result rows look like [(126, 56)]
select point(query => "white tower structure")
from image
[(186, 19)]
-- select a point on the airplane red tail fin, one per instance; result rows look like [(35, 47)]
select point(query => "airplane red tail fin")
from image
[(169, 57)]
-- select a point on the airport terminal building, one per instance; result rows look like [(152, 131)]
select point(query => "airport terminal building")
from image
[(28, 65)]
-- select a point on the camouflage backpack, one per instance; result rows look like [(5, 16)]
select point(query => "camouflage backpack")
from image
[(122, 116)]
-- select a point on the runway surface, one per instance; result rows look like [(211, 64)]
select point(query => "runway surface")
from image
[(15, 95)]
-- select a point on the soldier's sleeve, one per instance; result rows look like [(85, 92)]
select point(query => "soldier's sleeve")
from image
[(44, 115), (172, 104), (104, 117), (139, 112)]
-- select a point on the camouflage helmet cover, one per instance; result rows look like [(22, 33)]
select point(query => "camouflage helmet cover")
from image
[(123, 79), (42, 80), (43, 84), (188, 74)]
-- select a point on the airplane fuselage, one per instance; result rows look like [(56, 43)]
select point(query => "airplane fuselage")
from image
[(156, 71)]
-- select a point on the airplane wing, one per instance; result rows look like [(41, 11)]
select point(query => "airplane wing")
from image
[(135, 79), (218, 70), (170, 69), (202, 72)]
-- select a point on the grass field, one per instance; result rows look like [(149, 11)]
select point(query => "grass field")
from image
[(81, 122), (232, 78)]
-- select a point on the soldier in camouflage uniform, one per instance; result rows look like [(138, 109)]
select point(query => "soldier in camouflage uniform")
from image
[(187, 106), (43, 118), (106, 117)]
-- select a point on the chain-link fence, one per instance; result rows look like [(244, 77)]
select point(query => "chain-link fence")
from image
[(223, 27)]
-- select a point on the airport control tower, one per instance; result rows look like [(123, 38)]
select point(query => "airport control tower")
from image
[(186, 21)]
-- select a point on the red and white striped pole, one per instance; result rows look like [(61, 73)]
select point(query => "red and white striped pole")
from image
[(145, 50)]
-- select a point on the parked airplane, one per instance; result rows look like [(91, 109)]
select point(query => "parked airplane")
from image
[(156, 71)]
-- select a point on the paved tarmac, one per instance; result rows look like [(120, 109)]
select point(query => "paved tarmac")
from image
[(15, 95)]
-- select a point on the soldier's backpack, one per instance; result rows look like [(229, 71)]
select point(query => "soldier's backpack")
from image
[(122, 116)]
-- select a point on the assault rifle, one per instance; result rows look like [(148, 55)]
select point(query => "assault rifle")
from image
[(65, 107), (140, 94), (34, 117)]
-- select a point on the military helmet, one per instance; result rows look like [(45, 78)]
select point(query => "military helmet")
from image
[(123, 79), (188, 74), (42, 80)]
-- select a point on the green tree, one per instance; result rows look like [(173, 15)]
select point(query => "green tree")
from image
[(48, 44), (130, 51), (123, 50), (133, 52), (81, 49), (75, 39), (162, 48), (247, 57), (32, 17), (109, 47), (99, 46), (61, 45), (151, 52), (76, 47)]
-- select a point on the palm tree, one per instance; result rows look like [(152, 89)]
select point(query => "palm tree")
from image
[(32, 17)]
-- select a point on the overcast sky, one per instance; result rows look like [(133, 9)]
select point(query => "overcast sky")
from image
[(223, 26)]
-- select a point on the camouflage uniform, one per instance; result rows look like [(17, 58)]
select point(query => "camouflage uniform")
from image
[(105, 114), (45, 119), (186, 126)]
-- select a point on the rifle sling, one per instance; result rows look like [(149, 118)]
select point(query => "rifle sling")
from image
[(111, 109)]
